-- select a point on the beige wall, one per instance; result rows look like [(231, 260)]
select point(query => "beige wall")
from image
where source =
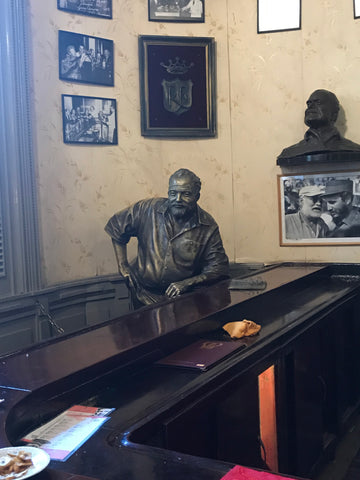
[(263, 82)]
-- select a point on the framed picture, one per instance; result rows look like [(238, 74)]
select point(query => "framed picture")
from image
[(176, 10), (177, 86), (86, 59), (356, 8), (94, 8), (320, 209), (89, 120), (278, 15)]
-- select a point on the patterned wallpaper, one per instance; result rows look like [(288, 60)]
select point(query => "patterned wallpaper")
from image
[(263, 82)]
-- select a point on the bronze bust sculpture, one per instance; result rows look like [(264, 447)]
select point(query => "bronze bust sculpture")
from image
[(179, 244), (322, 136)]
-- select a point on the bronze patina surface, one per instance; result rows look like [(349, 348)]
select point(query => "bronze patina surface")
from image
[(179, 244), (322, 136)]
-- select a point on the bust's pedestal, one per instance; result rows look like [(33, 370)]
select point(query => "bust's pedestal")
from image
[(319, 158)]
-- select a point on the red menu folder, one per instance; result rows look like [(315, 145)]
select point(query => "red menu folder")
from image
[(202, 354), (245, 473)]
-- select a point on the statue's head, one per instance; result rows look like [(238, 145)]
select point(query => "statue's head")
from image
[(184, 192), (322, 109)]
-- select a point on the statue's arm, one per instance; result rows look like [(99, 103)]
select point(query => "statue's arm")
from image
[(121, 257), (121, 227), (123, 264), (215, 266), (177, 288)]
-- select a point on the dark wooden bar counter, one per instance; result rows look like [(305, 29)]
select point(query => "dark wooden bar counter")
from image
[(177, 423)]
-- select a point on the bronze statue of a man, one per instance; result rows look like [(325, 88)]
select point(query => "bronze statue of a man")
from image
[(322, 136), (179, 244)]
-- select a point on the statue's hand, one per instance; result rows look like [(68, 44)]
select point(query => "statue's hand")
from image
[(128, 275), (177, 288)]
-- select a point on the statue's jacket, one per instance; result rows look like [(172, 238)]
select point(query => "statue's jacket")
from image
[(163, 257)]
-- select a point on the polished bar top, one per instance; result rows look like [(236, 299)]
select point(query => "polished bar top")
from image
[(131, 331), (98, 368)]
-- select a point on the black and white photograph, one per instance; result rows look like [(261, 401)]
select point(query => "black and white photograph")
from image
[(89, 120), (93, 8), (177, 10), (86, 59), (278, 15), (320, 209), (356, 8)]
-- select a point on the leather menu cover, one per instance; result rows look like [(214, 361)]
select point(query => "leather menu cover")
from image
[(202, 354)]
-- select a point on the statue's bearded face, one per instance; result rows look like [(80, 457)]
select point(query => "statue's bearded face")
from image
[(183, 197)]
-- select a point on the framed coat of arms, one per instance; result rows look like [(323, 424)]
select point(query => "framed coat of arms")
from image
[(177, 86)]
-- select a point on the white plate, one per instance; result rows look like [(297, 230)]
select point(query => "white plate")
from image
[(39, 458)]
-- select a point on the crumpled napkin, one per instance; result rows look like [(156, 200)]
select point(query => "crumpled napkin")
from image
[(244, 328)]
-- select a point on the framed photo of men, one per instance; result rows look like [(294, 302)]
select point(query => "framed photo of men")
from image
[(93, 8), (86, 59), (320, 208), (176, 11), (89, 120), (177, 86)]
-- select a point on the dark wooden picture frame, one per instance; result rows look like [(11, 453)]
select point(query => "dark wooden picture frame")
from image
[(89, 120), (186, 11), (92, 8), (177, 86), (86, 59), (331, 214), (278, 15)]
